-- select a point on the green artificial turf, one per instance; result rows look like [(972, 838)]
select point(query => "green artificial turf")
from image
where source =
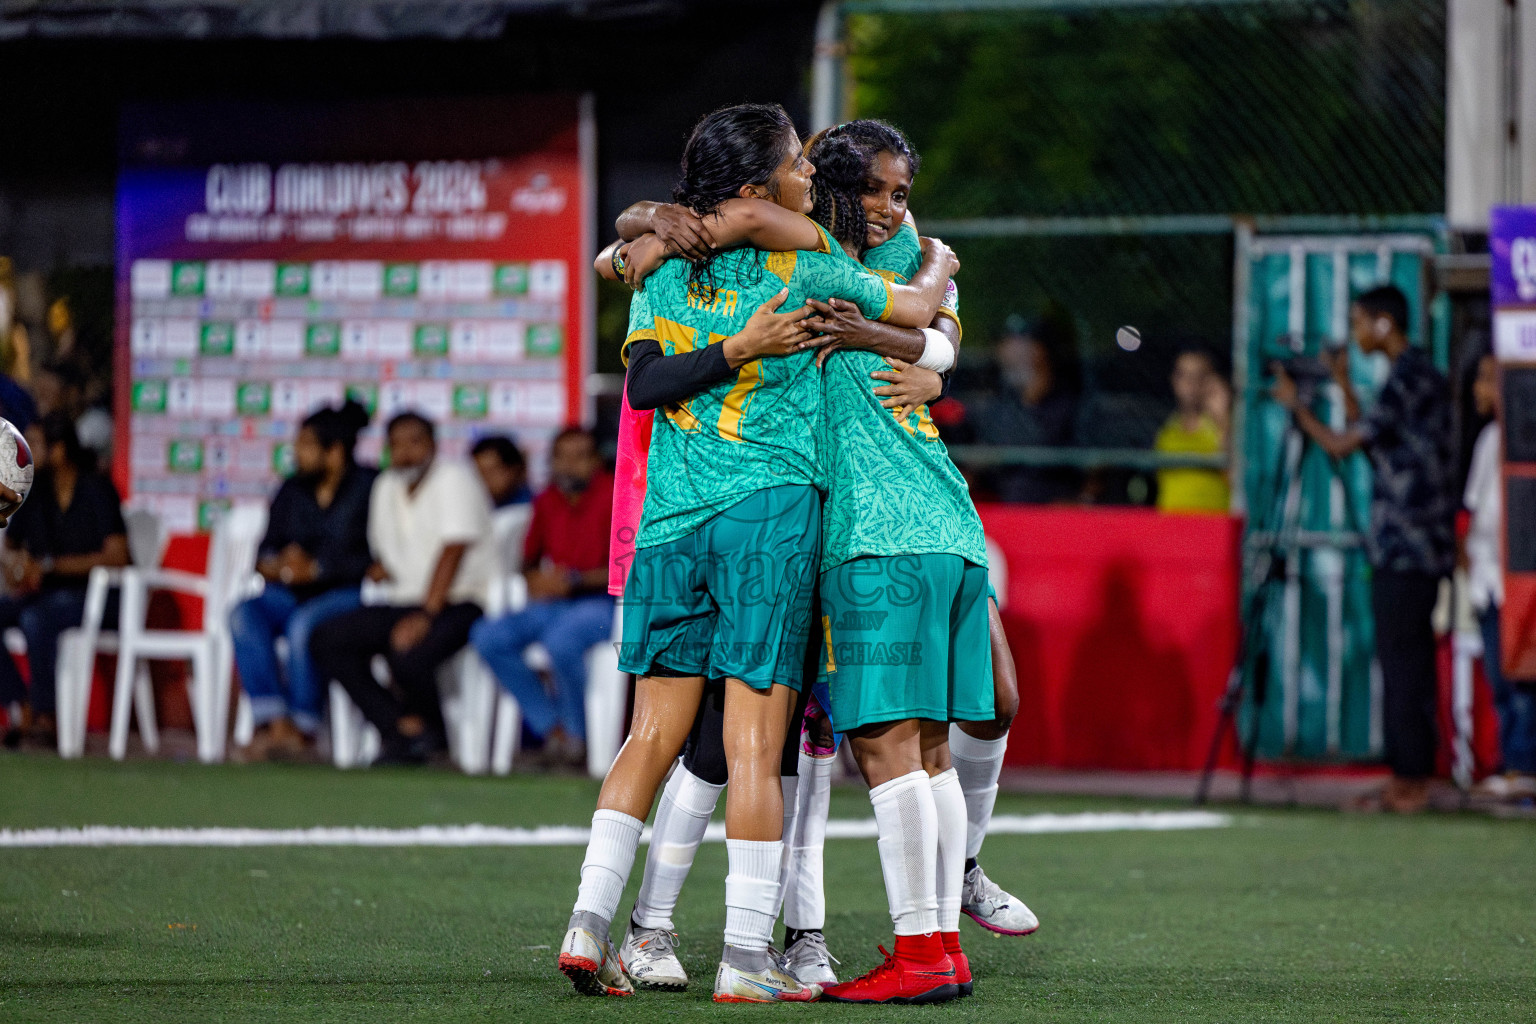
[(1286, 916)]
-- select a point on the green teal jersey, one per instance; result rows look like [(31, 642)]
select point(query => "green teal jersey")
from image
[(761, 428), (892, 489)]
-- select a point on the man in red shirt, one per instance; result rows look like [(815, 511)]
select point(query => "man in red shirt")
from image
[(565, 561)]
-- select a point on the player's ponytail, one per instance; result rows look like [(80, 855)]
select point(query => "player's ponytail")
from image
[(842, 168)]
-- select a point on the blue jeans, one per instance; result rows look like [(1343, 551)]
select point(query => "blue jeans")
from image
[(255, 626), (566, 629), (42, 617), (1516, 707)]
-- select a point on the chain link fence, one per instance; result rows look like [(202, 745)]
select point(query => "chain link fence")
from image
[(1089, 162)]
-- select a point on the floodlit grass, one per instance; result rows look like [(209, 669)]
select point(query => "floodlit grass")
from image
[(1287, 916)]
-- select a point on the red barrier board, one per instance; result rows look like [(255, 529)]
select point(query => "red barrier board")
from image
[(1123, 625)]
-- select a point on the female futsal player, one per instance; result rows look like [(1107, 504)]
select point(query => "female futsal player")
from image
[(726, 551), (692, 791)]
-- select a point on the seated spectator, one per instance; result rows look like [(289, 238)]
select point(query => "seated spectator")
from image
[(1198, 426), (1516, 706), (503, 470), (428, 524), (1040, 379), (313, 559), (565, 562), (71, 523), (61, 387)]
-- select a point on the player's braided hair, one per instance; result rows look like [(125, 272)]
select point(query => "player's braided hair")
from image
[(729, 148), (844, 156)]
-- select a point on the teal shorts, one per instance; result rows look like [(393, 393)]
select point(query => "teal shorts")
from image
[(906, 636), (733, 599)]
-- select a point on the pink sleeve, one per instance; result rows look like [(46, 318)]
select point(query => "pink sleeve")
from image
[(628, 492)]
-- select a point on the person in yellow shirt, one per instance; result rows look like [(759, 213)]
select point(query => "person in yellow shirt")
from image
[(1198, 426)]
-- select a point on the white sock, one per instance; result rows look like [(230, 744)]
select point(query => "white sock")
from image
[(686, 805), (791, 786), (804, 895), (949, 802), (751, 891), (605, 869), (907, 823), (978, 763)]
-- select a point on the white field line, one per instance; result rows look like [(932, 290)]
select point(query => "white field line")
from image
[(557, 835)]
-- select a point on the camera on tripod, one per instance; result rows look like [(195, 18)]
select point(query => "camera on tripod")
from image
[(1310, 372)]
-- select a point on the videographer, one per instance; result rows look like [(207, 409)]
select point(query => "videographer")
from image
[(1411, 543)]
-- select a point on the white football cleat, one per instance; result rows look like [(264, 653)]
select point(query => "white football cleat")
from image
[(588, 958), (650, 958), (747, 976), (995, 910), (808, 961)]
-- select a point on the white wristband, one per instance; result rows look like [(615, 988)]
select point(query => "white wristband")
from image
[(938, 353)]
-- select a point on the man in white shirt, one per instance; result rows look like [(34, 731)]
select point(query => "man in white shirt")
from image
[(1484, 498), (428, 524)]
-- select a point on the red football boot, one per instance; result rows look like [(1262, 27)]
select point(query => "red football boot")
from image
[(899, 981), (961, 962)]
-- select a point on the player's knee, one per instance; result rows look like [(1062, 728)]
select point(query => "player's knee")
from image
[(819, 731), (1007, 708), (753, 747)]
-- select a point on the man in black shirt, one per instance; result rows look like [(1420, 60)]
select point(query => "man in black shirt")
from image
[(313, 559), (1412, 539), (71, 523)]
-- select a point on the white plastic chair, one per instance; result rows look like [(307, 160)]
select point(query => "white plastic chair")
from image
[(79, 646), (606, 699), (231, 553), (468, 693)]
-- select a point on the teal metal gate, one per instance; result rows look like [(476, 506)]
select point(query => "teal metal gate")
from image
[(1292, 296)]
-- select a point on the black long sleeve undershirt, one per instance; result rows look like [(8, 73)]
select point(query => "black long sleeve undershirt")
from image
[(655, 379)]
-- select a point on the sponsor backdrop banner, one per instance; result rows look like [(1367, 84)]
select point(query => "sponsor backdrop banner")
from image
[(273, 259)]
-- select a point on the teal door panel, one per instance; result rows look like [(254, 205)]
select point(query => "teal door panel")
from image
[(1323, 694)]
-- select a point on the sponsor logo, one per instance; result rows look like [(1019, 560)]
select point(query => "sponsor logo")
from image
[(539, 196)]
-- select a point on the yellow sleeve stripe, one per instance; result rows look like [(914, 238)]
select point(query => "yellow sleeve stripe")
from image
[(734, 407), (890, 276), (827, 244), (680, 337), (781, 264), (890, 303), (946, 311), (644, 334)]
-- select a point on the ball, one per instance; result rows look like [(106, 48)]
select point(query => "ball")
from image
[(15, 466), (1128, 338)]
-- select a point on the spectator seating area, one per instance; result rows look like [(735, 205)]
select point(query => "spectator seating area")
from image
[(484, 721)]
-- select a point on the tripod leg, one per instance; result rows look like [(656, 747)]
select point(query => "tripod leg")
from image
[(1230, 702), (1251, 747)]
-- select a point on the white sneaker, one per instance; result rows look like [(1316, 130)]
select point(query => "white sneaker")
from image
[(1494, 787), (756, 977), (650, 958), (995, 910), (588, 958), (808, 962)]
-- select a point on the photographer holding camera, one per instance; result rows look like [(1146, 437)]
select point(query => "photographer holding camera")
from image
[(1411, 542)]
